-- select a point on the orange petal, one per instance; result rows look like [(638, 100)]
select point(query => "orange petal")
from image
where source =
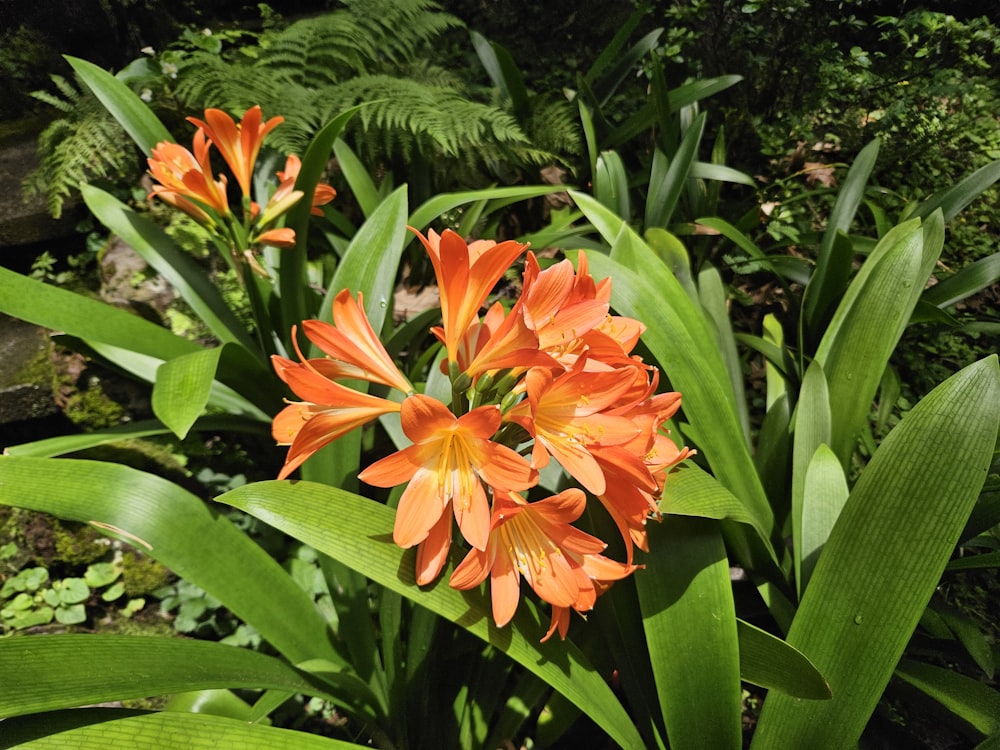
[(432, 553), (420, 507)]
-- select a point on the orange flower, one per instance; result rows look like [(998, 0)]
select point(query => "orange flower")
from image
[(466, 273), (498, 342), (535, 540), (238, 144), (560, 304), (635, 471), (283, 237), (352, 342), (186, 179), (323, 194), (448, 462), (329, 411), (565, 416)]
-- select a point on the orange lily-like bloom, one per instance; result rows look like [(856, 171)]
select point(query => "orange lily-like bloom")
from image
[(328, 411), (323, 194), (566, 416), (450, 459), (239, 144), (353, 343), (466, 273), (636, 471), (535, 540), (186, 180), (561, 304)]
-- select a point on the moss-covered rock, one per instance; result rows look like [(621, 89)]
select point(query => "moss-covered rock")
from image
[(142, 575)]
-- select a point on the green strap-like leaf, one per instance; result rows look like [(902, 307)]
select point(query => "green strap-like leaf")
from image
[(712, 294), (131, 112), (952, 200), (971, 279), (178, 529), (54, 308), (434, 207), (363, 188), (832, 266), (182, 388), (611, 184), (869, 322), (666, 182), (177, 266), (812, 429), (823, 496), (63, 444), (690, 622), (769, 662), (121, 729), (43, 673), (358, 532), (885, 556), (969, 699), (292, 279), (372, 259), (689, 491)]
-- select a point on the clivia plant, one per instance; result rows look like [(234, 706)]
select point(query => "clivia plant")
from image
[(540, 433)]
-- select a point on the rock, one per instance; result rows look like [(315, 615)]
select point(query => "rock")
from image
[(25, 381), (21, 222), (126, 282)]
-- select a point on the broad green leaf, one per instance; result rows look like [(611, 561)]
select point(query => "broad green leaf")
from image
[(971, 279), (503, 73), (611, 184), (666, 182), (292, 278), (434, 207), (182, 388), (60, 446), (885, 556), (176, 266), (607, 81), (672, 252), (121, 729), (358, 532), (721, 173), (128, 109), (952, 200), (712, 293), (215, 702), (970, 636), (689, 93), (869, 321), (823, 496), (372, 259), (690, 622), (63, 671), (689, 491), (176, 528), (969, 699), (146, 367), (812, 429), (363, 188), (833, 265), (54, 308), (769, 662), (973, 562)]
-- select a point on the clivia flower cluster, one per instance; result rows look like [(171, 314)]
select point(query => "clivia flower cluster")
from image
[(553, 377), (186, 181)]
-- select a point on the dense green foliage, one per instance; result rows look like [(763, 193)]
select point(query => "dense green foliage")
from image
[(804, 226)]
